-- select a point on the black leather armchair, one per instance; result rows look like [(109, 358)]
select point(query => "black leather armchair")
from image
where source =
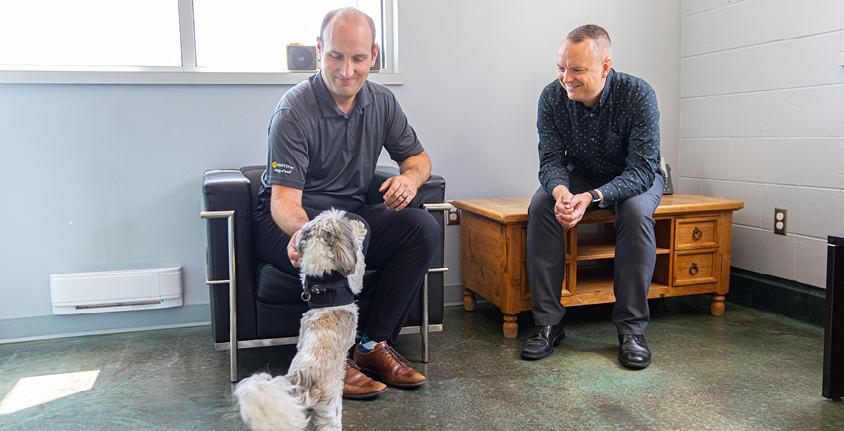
[(267, 305)]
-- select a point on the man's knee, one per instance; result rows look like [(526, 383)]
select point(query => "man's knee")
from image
[(637, 210), (425, 225), (412, 228), (541, 204)]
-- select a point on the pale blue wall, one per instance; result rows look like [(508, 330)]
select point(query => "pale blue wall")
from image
[(108, 177), (103, 177)]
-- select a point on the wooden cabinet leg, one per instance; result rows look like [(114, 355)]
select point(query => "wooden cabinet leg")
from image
[(468, 300), (511, 326), (717, 307)]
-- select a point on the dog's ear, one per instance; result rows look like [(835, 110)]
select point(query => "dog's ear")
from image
[(346, 250), (305, 235), (359, 230)]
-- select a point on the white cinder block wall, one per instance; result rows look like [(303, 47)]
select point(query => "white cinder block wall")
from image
[(762, 105)]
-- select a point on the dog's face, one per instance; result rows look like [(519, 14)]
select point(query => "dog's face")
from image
[(330, 242)]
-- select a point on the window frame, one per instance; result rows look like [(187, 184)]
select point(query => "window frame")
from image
[(188, 73)]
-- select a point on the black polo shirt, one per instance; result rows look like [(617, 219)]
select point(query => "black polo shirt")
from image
[(329, 155), (614, 144)]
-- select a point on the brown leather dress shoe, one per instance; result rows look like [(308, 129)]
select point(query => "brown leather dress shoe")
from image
[(358, 386), (388, 366)]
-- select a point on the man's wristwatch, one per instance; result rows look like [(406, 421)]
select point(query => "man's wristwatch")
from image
[(595, 196)]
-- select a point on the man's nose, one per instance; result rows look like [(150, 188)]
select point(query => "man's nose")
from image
[(347, 69)]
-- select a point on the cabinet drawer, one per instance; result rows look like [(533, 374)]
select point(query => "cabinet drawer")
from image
[(695, 233), (696, 268)]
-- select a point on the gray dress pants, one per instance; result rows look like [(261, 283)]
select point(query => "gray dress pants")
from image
[(635, 256)]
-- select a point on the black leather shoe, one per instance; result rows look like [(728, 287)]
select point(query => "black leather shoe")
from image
[(542, 343), (633, 351)]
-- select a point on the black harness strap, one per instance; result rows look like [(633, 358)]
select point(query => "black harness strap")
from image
[(331, 290)]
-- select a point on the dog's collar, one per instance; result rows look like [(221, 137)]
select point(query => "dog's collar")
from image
[(331, 290)]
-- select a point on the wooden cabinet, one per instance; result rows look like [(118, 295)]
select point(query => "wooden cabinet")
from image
[(693, 236)]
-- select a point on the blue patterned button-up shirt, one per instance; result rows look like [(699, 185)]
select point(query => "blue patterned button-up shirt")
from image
[(615, 144)]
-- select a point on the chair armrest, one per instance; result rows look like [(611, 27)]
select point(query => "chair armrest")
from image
[(432, 191), (224, 190), (227, 190)]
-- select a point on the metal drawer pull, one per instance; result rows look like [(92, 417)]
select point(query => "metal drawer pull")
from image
[(696, 233), (693, 270)]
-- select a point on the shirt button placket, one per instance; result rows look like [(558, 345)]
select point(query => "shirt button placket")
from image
[(348, 132), (591, 127)]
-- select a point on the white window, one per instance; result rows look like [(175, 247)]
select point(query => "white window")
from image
[(103, 33), (253, 35), (170, 41)]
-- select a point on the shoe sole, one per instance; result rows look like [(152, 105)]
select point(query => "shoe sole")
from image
[(376, 376), (364, 396), (557, 341), (633, 366)]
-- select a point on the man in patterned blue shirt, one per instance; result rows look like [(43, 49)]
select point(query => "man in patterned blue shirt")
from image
[(598, 147)]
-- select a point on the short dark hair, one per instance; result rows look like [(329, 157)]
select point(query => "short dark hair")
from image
[(588, 31), (342, 11)]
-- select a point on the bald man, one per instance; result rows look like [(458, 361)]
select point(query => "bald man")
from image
[(598, 148), (325, 137)]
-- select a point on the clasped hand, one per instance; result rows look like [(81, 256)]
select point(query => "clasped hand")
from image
[(570, 208)]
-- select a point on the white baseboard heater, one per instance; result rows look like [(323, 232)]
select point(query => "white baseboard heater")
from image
[(103, 292)]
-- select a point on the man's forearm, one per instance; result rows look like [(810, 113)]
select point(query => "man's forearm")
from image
[(288, 215), (631, 182), (552, 170), (417, 167)]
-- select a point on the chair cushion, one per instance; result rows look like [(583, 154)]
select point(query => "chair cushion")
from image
[(275, 287)]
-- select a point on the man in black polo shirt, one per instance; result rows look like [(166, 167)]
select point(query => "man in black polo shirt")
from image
[(598, 147), (325, 137)]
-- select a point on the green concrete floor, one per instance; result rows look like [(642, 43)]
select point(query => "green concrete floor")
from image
[(746, 371)]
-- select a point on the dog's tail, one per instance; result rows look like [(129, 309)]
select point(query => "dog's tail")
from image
[(268, 403)]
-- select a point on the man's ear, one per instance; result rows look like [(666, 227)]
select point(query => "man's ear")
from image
[(375, 49), (606, 65), (319, 45)]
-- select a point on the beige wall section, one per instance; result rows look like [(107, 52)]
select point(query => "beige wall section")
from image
[(762, 108)]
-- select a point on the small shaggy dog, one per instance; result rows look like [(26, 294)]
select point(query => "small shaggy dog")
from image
[(331, 247)]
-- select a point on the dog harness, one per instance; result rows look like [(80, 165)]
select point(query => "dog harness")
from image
[(331, 290)]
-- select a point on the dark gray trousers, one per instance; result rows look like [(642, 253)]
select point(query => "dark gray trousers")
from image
[(635, 256), (399, 243)]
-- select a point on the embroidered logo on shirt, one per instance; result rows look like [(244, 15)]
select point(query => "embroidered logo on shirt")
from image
[(281, 168)]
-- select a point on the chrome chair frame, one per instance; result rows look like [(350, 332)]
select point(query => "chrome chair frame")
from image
[(425, 328)]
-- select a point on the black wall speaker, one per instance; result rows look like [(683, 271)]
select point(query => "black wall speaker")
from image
[(301, 57)]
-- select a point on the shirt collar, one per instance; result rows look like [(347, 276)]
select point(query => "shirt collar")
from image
[(606, 91), (329, 107)]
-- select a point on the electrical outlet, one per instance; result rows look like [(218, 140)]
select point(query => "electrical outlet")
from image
[(453, 216), (780, 220)]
